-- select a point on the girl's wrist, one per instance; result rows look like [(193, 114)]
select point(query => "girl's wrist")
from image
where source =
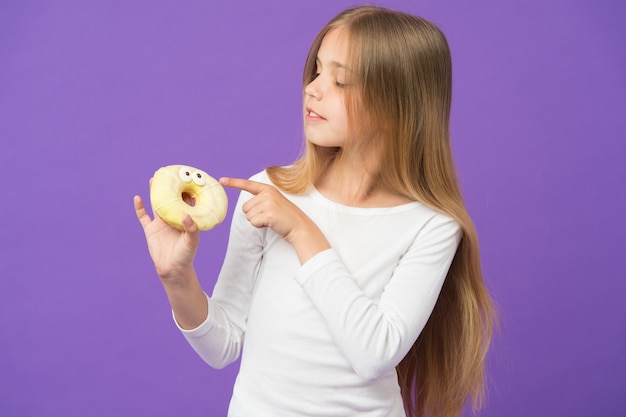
[(187, 299), (308, 241), (178, 279)]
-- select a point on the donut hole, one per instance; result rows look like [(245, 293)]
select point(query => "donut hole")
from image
[(187, 198)]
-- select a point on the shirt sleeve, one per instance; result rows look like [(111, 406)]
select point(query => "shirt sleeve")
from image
[(218, 339), (374, 336)]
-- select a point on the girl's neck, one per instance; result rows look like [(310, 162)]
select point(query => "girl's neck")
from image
[(355, 185)]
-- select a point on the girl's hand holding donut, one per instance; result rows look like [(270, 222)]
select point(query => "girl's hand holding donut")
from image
[(269, 208), (171, 250), (184, 200)]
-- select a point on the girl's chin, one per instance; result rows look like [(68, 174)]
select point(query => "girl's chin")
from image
[(325, 146)]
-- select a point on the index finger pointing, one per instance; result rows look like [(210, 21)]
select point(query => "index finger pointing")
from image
[(252, 187)]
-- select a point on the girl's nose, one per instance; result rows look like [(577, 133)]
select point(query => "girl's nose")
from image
[(313, 89)]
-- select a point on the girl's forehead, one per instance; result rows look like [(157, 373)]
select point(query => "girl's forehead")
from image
[(334, 47)]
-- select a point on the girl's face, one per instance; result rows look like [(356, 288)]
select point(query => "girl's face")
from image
[(325, 115)]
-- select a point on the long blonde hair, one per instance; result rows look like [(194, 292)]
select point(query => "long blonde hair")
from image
[(403, 85)]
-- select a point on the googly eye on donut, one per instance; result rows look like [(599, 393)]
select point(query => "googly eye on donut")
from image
[(179, 189)]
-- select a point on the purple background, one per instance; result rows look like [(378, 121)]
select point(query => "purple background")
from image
[(94, 96)]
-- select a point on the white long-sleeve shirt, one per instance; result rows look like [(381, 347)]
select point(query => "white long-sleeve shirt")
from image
[(323, 338)]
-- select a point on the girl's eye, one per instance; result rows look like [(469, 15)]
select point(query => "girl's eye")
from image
[(340, 85)]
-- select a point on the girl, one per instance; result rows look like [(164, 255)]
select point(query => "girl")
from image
[(351, 283)]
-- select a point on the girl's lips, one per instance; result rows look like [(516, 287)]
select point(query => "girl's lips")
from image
[(311, 115)]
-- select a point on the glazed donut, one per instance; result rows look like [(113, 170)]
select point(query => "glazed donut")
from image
[(179, 189)]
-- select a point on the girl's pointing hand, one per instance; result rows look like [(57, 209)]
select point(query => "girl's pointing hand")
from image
[(269, 208)]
